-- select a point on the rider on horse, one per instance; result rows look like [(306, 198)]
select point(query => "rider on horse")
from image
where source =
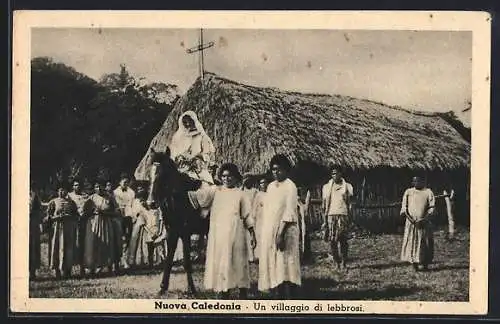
[(192, 150)]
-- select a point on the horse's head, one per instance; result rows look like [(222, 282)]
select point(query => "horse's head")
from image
[(164, 177), (160, 175)]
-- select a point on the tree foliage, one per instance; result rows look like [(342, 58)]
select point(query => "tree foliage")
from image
[(84, 128)]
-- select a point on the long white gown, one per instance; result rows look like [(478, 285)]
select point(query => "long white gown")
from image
[(418, 242), (276, 267), (227, 263)]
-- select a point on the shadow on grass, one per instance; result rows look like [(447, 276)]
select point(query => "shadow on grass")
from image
[(46, 291), (383, 266), (433, 268), (69, 284), (43, 279), (142, 271), (442, 267), (146, 270), (136, 271), (327, 289), (253, 293)]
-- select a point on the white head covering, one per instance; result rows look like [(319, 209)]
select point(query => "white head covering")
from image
[(182, 139)]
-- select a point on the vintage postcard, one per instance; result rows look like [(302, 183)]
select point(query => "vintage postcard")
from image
[(173, 162)]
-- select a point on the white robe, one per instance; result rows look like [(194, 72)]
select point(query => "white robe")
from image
[(418, 242), (191, 146), (125, 200), (276, 267), (227, 263)]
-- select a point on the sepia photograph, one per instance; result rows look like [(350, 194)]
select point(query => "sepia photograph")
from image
[(273, 168)]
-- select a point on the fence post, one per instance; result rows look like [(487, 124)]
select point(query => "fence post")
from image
[(449, 211)]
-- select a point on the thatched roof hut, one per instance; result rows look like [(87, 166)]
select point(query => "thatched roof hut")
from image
[(248, 125)]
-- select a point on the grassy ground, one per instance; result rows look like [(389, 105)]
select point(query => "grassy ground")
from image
[(374, 273)]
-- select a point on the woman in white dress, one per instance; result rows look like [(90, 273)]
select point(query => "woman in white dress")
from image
[(227, 265), (279, 260), (418, 243)]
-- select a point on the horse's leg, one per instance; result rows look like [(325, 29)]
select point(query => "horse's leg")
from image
[(201, 247), (203, 239), (151, 251), (172, 240), (186, 245)]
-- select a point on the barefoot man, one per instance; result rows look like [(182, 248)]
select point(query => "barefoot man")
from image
[(336, 205)]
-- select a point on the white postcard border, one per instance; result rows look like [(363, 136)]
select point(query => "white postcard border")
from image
[(479, 23)]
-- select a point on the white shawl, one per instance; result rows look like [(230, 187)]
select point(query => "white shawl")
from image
[(191, 143)]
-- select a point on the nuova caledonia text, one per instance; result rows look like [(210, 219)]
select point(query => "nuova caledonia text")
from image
[(197, 305)]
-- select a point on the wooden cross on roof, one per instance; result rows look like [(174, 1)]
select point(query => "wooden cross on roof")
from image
[(200, 49)]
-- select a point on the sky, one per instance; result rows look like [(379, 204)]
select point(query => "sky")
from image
[(420, 70)]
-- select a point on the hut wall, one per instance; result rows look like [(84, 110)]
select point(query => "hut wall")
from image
[(315, 214), (377, 194)]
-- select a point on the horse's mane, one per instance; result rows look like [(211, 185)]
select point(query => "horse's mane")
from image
[(171, 176)]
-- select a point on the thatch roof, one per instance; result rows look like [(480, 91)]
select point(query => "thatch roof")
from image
[(248, 125)]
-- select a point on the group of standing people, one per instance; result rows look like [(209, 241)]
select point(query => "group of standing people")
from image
[(110, 228), (417, 208), (113, 228), (242, 221), (246, 224)]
